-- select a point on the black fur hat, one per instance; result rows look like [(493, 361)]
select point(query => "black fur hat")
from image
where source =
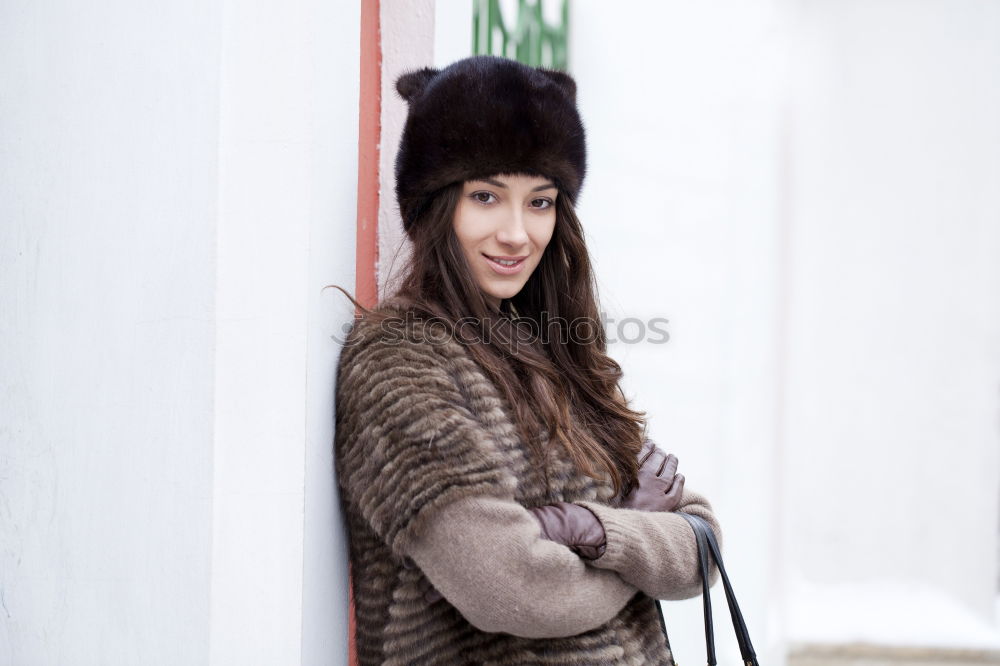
[(482, 116)]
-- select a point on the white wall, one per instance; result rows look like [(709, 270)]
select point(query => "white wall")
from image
[(452, 31), (177, 186), (108, 161), (893, 322), (406, 29), (807, 192)]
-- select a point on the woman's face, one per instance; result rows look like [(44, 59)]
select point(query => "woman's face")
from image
[(503, 224)]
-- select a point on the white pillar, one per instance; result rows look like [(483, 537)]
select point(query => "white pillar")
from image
[(287, 183)]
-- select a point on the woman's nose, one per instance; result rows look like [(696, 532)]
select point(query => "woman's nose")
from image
[(513, 231)]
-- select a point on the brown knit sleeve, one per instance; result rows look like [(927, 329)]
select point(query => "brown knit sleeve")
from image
[(406, 442), (656, 550)]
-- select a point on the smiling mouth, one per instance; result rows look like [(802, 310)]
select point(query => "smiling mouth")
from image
[(506, 265)]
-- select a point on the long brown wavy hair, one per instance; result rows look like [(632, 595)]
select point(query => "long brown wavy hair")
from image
[(546, 349)]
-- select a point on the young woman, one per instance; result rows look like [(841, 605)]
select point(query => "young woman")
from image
[(503, 503)]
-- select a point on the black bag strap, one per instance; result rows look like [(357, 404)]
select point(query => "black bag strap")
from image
[(707, 543), (739, 624), (705, 566)]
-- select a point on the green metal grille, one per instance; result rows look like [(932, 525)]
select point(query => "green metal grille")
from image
[(530, 40)]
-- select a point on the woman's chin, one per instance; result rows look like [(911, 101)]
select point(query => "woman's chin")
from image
[(502, 293)]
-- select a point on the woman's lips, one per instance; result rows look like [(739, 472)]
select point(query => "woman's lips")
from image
[(505, 270)]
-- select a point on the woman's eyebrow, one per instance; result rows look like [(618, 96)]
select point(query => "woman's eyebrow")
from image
[(497, 183)]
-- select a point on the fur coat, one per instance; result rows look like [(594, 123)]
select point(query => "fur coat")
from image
[(448, 566)]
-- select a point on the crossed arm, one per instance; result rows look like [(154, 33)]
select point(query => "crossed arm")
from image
[(486, 557)]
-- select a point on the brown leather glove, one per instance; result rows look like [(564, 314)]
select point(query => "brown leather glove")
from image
[(659, 487), (574, 526)]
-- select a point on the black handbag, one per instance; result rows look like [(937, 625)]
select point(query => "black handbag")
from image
[(707, 545)]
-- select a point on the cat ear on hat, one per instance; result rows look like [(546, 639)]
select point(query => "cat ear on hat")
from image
[(410, 85), (563, 80)]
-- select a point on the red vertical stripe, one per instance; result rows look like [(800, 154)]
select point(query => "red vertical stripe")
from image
[(369, 131), (366, 250)]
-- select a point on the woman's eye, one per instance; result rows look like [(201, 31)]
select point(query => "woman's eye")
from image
[(541, 204), (483, 197)]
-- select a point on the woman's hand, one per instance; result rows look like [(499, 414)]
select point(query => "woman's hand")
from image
[(658, 487), (572, 525)]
